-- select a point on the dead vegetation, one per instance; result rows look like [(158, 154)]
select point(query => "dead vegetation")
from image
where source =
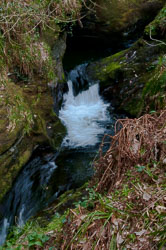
[(24, 25), (131, 213), (139, 142)]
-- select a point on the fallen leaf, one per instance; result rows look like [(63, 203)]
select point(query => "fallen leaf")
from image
[(87, 246), (82, 217), (119, 239), (140, 233), (50, 232), (114, 220), (160, 209), (146, 196), (164, 161)]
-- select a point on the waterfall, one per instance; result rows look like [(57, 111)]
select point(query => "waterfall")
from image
[(84, 115)]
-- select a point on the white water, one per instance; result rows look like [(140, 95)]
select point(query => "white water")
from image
[(83, 115), (21, 221), (4, 230)]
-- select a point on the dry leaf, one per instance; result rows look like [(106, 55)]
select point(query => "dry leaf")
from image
[(114, 220), (146, 196), (82, 217), (119, 239), (87, 246), (140, 233), (160, 209), (142, 239)]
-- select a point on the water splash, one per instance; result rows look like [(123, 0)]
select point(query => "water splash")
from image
[(84, 116), (21, 221)]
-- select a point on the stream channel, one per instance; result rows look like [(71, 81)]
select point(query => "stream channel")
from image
[(48, 174)]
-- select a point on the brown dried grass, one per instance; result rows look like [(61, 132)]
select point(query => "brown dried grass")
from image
[(139, 142)]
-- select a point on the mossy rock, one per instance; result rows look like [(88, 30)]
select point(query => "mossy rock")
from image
[(157, 27), (12, 161), (134, 80), (47, 219), (27, 120), (27, 116), (124, 76), (31, 55), (114, 22), (13, 113)]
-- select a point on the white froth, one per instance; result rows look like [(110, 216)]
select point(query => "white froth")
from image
[(83, 116)]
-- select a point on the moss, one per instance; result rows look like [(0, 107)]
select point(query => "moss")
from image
[(49, 36), (154, 95), (107, 72), (118, 56), (49, 64), (126, 76), (157, 26), (15, 146), (134, 107), (25, 109), (11, 163), (14, 113), (27, 66), (108, 68), (120, 16), (111, 69), (55, 214)]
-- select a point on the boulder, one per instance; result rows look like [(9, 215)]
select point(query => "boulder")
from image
[(111, 23), (134, 79)]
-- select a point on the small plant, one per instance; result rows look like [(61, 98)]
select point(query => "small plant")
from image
[(36, 239)]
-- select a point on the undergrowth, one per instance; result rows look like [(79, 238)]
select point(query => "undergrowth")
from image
[(22, 25), (125, 204)]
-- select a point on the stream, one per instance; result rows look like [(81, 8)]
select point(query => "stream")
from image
[(48, 174)]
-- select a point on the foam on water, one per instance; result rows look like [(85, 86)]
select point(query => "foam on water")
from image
[(83, 116)]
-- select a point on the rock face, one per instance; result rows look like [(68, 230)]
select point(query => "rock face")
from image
[(27, 118), (116, 21), (134, 79), (120, 16)]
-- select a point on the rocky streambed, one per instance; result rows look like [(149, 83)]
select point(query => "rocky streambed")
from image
[(132, 80)]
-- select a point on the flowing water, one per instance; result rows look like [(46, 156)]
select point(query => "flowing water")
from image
[(49, 174), (84, 115)]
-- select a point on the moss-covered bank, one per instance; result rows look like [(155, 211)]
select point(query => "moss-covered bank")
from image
[(32, 46)]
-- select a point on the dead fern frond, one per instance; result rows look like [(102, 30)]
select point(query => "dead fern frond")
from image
[(139, 142)]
